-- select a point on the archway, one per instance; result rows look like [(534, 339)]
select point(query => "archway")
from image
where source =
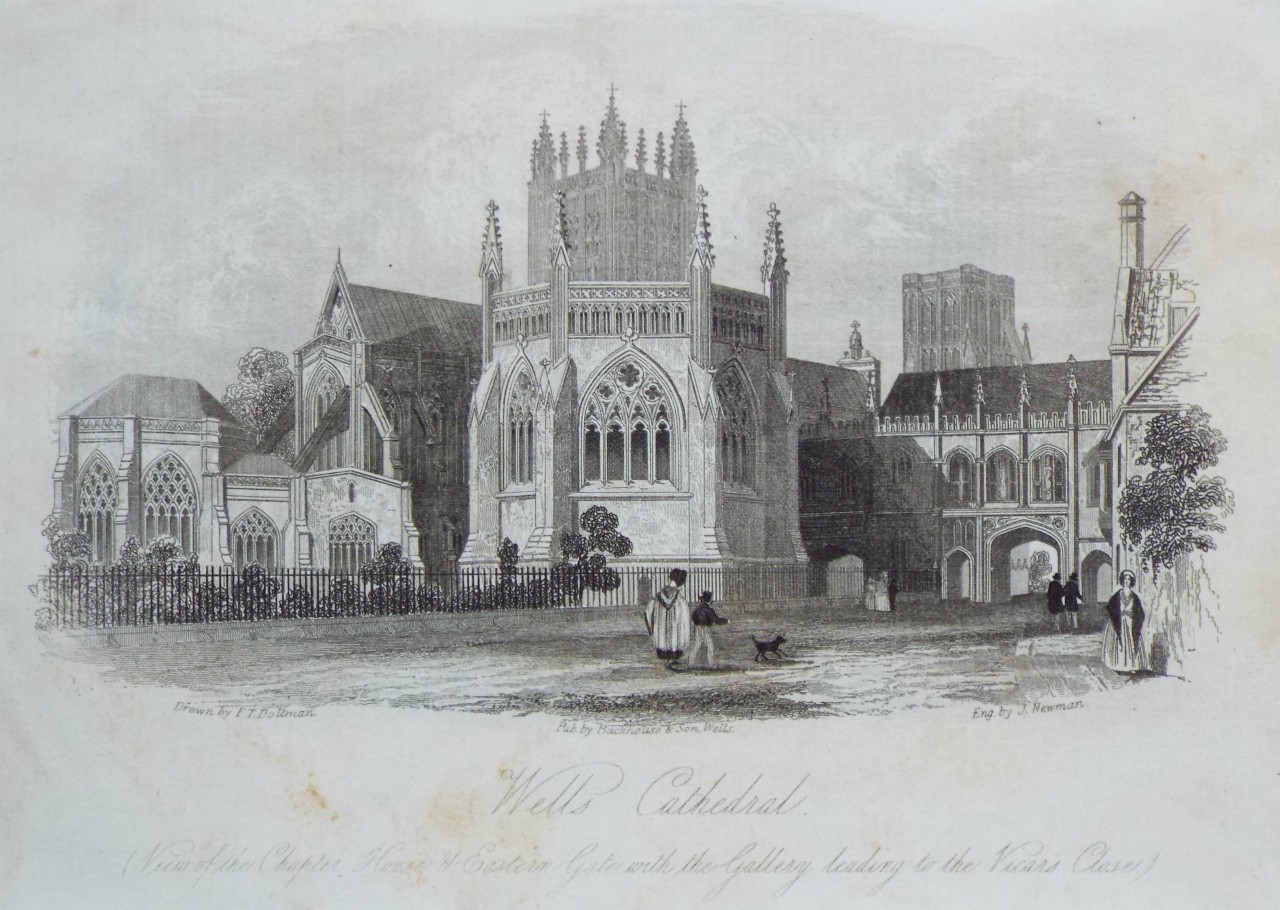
[(1016, 570), (959, 576), (1095, 577)]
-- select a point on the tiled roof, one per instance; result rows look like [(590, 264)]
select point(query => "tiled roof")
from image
[(847, 389), (912, 393), (136, 395), (446, 325)]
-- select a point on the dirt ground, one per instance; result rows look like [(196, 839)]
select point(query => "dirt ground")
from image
[(839, 661)]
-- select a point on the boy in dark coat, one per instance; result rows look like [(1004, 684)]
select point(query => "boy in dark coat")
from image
[(1055, 601), (703, 618), (1071, 596)]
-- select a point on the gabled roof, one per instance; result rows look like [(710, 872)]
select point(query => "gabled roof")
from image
[(446, 325), (137, 395), (912, 393), (847, 390)]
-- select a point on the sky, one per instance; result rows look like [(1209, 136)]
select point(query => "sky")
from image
[(179, 177)]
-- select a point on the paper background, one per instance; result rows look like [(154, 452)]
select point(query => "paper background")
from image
[(112, 267)]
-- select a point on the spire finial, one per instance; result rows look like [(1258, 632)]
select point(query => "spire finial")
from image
[(659, 156), (559, 231), (1024, 391), (979, 396), (684, 161), (775, 259), (582, 149), (937, 390), (612, 142), (339, 255), (491, 245), (702, 232), (1073, 385)]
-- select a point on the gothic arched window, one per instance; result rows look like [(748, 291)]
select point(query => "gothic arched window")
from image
[(96, 508), (960, 478), (351, 543), (1049, 478), (253, 540), (626, 427), (169, 502), (332, 453), (518, 440), (1002, 477), (737, 430)]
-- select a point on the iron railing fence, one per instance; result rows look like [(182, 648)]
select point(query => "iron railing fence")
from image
[(118, 597)]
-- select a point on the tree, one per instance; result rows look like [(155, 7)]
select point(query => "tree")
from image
[(263, 391), (584, 556), (67, 548), (1172, 510)]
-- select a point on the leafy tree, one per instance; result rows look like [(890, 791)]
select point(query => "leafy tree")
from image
[(389, 575), (67, 548), (584, 556), (262, 392), (1173, 510)]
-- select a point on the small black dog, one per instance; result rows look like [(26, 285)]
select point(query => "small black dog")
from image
[(772, 646)]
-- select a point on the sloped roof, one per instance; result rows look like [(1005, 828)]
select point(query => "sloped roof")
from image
[(138, 395), (912, 393), (447, 325), (262, 465), (848, 391)]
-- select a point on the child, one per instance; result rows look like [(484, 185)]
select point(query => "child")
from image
[(703, 618)]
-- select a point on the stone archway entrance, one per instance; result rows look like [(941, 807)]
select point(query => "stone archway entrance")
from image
[(1095, 577), (958, 585), (1014, 565)]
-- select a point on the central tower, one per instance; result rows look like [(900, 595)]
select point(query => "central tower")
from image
[(627, 223)]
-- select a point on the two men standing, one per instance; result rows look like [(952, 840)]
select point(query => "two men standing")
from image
[(1064, 598)]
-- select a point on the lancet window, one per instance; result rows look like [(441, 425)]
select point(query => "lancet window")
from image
[(329, 455), (519, 452), (738, 431)]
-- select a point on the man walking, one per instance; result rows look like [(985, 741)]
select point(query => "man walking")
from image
[(1071, 595), (1055, 601)]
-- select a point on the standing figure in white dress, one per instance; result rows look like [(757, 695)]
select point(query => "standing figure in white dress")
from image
[(1122, 648)]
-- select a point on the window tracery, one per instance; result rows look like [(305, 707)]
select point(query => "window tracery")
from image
[(626, 428), (169, 502)]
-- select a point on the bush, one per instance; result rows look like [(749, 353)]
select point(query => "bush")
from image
[(344, 599), (255, 593)]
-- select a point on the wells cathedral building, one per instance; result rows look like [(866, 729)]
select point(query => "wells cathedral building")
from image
[(621, 374)]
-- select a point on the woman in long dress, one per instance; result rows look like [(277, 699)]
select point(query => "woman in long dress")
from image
[(878, 593), (1122, 648), (667, 618)]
